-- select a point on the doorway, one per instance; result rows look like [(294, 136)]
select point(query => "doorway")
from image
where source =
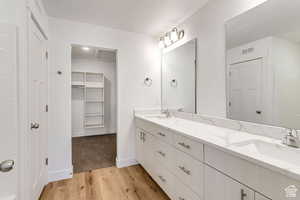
[(94, 112)]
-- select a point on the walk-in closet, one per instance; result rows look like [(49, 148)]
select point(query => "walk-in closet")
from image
[(93, 108)]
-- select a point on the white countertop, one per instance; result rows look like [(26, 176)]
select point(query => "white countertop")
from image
[(272, 154)]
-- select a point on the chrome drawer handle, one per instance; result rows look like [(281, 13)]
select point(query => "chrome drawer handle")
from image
[(243, 194), (161, 134), (184, 145), (188, 172), (162, 178), (162, 153)]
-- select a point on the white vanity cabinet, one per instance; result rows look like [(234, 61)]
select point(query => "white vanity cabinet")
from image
[(187, 169)]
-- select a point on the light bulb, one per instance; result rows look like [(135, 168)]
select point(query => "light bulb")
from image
[(85, 48), (174, 35), (168, 40), (161, 43)]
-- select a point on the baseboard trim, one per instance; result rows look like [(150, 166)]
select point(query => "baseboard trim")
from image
[(125, 162), (83, 134), (60, 175)]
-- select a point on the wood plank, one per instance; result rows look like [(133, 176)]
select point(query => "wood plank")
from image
[(130, 183)]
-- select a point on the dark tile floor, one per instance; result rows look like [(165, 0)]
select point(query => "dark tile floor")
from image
[(93, 152)]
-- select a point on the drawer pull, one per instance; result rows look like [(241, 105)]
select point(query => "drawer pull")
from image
[(180, 198), (162, 179), (161, 134), (243, 194), (184, 145), (188, 172), (161, 153)]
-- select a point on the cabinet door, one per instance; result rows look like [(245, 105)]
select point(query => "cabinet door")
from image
[(139, 146), (149, 148), (219, 186)]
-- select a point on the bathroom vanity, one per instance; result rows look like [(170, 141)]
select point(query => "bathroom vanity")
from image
[(196, 161), (232, 158)]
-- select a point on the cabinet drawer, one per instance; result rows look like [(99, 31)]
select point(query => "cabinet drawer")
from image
[(189, 146), (182, 192), (164, 134), (163, 153), (189, 171), (218, 186), (165, 180)]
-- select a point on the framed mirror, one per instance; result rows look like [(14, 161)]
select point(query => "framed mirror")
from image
[(179, 78), (263, 65)]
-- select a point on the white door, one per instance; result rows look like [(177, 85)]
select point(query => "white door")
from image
[(38, 90), (245, 98), (8, 113)]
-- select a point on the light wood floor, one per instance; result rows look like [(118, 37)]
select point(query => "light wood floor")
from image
[(131, 183)]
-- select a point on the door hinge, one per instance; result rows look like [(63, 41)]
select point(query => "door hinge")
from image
[(46, 161), (229, 103), (46, 108), (229, 73), (47, 55)]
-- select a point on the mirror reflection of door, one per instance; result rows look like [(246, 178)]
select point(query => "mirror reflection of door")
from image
[(245, 81), (263, 58)]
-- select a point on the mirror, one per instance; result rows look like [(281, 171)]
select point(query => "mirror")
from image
[(263, 65), (179, 78)]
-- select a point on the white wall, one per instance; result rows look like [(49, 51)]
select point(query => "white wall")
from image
[(137, 57), (108, 68), (208, 26)]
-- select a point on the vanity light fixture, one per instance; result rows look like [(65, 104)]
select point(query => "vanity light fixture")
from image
[(170, 38), (85, 48)]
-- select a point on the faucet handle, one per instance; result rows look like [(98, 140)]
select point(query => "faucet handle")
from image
[(291, 139), (291, 132)]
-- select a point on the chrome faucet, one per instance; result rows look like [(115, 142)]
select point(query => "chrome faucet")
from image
[(166, 112), (292, 138)]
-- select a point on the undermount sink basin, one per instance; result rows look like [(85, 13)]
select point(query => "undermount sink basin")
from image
[(268, 150)]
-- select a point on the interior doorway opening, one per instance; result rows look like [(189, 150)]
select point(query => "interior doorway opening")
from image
[(94, 108)]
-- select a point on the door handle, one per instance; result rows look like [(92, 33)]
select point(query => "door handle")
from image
[(34, 125), (7, 165)]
